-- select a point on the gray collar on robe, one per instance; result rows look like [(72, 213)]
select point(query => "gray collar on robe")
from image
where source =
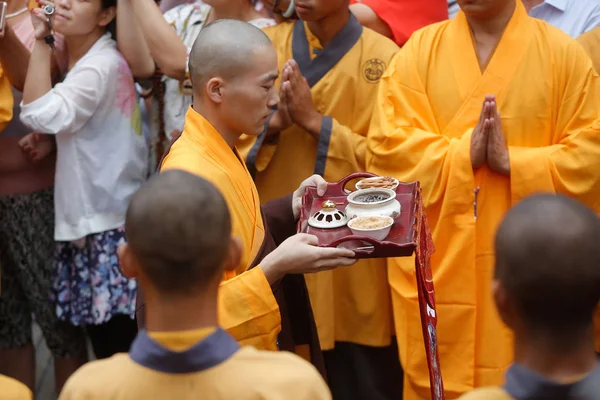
[(314, 70), (208, 353), (524, 384)]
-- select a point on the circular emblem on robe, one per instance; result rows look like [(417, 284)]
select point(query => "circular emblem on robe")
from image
[(373, 70)]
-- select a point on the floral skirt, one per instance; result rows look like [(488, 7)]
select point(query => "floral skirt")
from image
[(88, 287)]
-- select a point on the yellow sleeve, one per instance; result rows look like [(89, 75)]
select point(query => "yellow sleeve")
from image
[(346, 148), (248, 310), (591, 44), (6, 101), (11, 389), (404, 140), (569, 166)]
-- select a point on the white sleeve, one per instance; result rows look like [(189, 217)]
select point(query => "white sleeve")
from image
[(70, 104)]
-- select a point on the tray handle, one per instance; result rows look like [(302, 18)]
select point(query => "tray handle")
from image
[(351, 238), (341, 185)]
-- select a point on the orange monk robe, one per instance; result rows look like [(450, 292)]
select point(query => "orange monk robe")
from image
[(6, 100), (430, 100), (406, 16), (349, 304), (247, 307), (591, 43)]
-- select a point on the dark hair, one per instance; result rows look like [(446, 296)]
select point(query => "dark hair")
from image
[(112, 26), (548, 259), (179, 229)]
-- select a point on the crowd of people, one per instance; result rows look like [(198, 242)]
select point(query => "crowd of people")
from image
[(153, 159)]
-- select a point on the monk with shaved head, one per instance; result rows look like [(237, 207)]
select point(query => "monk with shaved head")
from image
[(547, 285), (180, 267), (263, 299)]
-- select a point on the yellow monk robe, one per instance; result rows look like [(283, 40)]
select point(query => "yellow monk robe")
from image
[(591, 43), (195, 364), (12, 389), (349, 304), (430, 100), (6, 100), (247, 307)]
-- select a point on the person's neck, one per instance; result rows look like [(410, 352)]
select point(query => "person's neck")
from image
[(243, 11), (328, 27), (16, 6), (79, 45), (493, 26), (529, 4), (551, 359), (175, 314), (231, 137)]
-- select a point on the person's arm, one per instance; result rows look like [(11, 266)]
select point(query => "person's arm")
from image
[(132, 43), (70, 104), (14, 58), (367, 17), (166, 47), (569, 166)]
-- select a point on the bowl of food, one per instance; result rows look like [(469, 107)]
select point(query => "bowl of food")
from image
[(375, 227), (373, 202), (378, 182)]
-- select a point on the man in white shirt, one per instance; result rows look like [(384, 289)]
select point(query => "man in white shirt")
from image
[(573, 17)]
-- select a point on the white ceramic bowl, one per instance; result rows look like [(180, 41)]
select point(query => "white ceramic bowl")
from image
[(396, 183), (377, 234), (388, 206)]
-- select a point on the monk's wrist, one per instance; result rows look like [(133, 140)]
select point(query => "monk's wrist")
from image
[(313, 125)]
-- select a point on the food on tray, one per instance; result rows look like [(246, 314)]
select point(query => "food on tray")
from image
[(384, 182), (372, 197), (370, 223)]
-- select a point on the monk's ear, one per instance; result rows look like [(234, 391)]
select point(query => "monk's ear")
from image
[(214, 89), (127, 261), (503, 304), (234, 256)]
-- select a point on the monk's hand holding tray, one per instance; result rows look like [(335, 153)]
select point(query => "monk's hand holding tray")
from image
[(401, 240)]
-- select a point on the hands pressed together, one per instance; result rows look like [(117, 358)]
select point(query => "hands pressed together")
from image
[(488, 143), (295, 105)]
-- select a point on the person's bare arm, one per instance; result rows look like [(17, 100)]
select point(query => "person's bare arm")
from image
[(166, 48), (367, 17), (132, 43), (14, 57)]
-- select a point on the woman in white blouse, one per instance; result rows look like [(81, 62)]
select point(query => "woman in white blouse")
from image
[(101, 162)]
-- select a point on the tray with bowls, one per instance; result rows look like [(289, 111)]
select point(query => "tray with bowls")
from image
[(378, 220)]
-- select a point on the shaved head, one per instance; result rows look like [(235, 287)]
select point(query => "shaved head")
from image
[(548, 260), (233, 67), (224, 48), (178, 228)]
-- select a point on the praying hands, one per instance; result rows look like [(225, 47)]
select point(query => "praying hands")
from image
[(488, 143), (297, 98)]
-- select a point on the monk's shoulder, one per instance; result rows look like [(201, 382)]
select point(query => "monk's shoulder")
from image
[(96, 379), (556, 45), (486, 394), (12, 389), (287, 372), (378, 45), (280, 33)]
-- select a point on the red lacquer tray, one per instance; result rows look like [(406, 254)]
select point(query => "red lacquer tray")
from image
[(402, 240)]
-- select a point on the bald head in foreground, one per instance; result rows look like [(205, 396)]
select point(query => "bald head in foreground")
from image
[(547, 286), (179, 244), (233, 68)]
